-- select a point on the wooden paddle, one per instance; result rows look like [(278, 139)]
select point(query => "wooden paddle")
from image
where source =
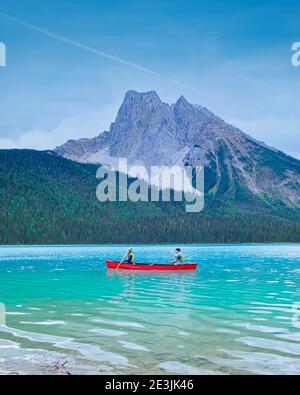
[(121, 261)]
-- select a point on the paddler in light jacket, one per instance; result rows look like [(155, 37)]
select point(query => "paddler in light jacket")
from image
[(179, 257)]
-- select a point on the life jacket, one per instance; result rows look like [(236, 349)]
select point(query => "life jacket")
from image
[(130, 257), (180, 257)]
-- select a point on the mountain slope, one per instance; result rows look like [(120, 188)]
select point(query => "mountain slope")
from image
[(46, 199), (150, 132)]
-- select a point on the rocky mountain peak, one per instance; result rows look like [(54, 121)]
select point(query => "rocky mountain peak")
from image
[(138, 106), (137, 98), (150, 132), (182, 102)]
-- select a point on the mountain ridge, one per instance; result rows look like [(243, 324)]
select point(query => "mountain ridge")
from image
[(150, 132)]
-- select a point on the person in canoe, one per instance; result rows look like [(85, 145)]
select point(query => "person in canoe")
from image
[(179, 257), (129, 257)]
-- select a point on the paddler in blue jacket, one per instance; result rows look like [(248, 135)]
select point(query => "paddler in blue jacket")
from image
[(129, 258)]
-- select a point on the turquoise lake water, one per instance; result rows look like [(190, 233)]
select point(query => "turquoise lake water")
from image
[(66, 312)]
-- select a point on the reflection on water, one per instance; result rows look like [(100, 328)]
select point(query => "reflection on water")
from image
[(236, 314)]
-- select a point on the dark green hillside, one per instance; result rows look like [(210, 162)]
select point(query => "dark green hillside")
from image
[(46, 199)]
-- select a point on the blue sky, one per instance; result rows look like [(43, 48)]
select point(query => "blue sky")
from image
[(234, 57)]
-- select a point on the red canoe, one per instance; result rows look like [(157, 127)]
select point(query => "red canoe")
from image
[(151, 266)]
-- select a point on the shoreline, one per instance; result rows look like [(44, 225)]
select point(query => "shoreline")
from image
[(151, 244)]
